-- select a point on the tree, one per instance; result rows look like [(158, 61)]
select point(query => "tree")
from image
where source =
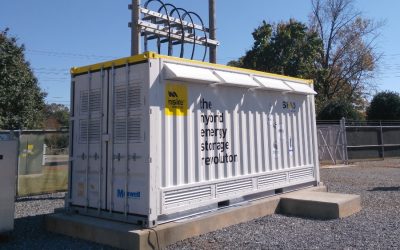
[(286, 48), (56, 143), (336, 110), (57, 116), (384, 106), (21, 99), (349, 56)]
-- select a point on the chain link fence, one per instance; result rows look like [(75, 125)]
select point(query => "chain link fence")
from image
[(43, 155), (331, 142), (344, 140), (42, 161)]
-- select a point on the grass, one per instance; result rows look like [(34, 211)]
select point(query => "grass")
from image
[(52, 178)]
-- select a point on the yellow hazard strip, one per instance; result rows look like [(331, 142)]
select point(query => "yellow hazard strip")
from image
[(151, 55)]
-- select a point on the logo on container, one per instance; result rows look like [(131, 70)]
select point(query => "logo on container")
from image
[(176, 99), (172, 94), (131, 195), (291, 106)]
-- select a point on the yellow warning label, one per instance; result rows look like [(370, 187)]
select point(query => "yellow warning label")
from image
[(176, 99), (27, 151)]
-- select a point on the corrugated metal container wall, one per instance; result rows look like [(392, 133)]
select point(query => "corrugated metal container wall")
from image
[(233, 135), (154, 136)]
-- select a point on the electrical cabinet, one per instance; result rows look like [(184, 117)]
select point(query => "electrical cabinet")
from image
[(8, 170)]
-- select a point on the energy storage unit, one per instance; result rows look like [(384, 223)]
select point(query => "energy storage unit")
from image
[(154, 136), (8, 175)]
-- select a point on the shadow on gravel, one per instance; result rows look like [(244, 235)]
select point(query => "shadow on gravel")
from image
[(385, 189), (27, 229), (37, 221), (30, 233), (4, 238), (27, 198)]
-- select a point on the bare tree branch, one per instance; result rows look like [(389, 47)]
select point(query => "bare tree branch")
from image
[(349, 58)]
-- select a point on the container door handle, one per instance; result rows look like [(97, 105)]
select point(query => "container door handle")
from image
[(118, 156)]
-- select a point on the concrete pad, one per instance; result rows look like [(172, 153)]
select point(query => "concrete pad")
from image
[(128, 236), (112, 233), (319, 205), (311, 202), (320, 188), (170, 233), (337, 166)]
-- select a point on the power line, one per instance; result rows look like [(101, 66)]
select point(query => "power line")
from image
[(51, 73), (51, 69), (66, 54), (58, 102), (53, 79)]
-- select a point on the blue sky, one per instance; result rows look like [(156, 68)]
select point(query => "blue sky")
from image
[(61, 34)]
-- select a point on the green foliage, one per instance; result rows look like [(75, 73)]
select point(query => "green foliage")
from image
[(286, 48), (337, 50), (336, 110), (56, 142), (384, 106), (57, 115), (21, 99)]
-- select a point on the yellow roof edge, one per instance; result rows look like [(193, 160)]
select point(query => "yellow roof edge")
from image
[(109, 64), (250, 71), (153, 55)]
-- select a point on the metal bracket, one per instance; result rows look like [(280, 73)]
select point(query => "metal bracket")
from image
[(117, 157), (134, 157), (95, 156), (175, 35)]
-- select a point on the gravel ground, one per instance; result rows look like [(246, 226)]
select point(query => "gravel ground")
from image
[(377, 226), (29, 232)]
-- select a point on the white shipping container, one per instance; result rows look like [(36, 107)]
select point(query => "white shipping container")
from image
[(155, 136)]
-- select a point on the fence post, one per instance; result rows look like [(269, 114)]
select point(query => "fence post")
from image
[(382, 144), (344, 140), (18, 161)]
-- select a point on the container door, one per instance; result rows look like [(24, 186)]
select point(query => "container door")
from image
[(128, 173), (89, 139)]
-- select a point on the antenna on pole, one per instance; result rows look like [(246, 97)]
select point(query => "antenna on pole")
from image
[(212, 32)]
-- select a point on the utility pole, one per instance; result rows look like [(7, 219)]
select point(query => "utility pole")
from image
[(135, 29), (212, 32)]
